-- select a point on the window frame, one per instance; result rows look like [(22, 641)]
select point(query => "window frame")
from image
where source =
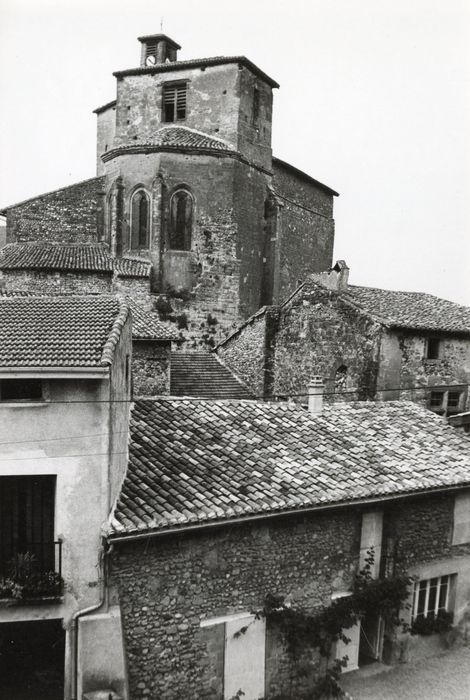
[(188, 236), (140, 189), (415, 615), (340, 378), (443, 409), (179, 89), (434, 344), (35, 397)]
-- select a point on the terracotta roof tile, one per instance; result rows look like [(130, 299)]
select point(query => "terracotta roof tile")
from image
[(90, 257), (146, 325), (192, 460), (60, 331), (415, 310), (175, 138), (184, 136)]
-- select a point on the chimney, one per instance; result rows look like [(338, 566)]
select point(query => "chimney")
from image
[(157, 48), (335, 279), (315, 396)]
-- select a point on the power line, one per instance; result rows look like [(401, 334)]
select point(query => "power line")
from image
[(340, 392), (375, 390), (91, 454), (66, 437)]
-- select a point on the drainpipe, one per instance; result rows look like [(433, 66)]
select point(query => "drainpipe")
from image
[(86, 611)]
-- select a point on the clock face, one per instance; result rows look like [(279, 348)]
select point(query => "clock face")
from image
[(150, 60)]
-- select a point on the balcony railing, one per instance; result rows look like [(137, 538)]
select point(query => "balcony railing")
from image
[(33, 572)]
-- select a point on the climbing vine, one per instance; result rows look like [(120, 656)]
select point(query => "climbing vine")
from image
[(303, 631)]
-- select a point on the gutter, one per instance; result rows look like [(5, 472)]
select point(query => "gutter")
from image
[(285, 513), (55, 372)]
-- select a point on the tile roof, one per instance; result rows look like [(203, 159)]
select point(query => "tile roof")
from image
[(146, 325), (59, 331), (415, 310), (197, 63), (193, 461), (184, 136), (203, 375), (89, 257), (174, 138)]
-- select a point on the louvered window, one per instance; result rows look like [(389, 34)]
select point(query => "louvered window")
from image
[(174, 102), (151, 50)]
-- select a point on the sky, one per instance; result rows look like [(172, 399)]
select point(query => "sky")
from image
[(374, 102)]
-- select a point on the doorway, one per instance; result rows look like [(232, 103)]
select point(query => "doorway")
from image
[(32, 660), (371, 639)]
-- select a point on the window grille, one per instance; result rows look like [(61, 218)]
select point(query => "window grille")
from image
[(174, 103)]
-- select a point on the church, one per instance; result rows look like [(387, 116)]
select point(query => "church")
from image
[(189, 211)]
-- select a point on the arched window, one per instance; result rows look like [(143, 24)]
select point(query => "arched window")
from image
[(340, 378), (181, 220), (140, 219), (110, 203)]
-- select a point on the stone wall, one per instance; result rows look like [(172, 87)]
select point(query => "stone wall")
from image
[(431, 518), (105, 130), (70, 215), (246, 351), (306, 228), (250, 192), (136, 287), (318, 333), (56, 282), (315, 333), (150, 368), (168, 585), (212, 103), (404, 364)]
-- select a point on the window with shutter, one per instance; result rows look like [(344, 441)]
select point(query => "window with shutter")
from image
[(174, 102)]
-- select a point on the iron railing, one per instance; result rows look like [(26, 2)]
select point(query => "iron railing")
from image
[(31, 570)]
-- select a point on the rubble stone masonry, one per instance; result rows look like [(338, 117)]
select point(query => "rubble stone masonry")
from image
[(150, 368), (70, 215), (168, 585)]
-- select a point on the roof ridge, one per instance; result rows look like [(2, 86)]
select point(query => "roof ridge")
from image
[(107, 356), (169, 127), (58, 244)]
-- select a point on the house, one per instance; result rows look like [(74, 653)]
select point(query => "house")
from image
[(189, 208), (157, 370), (225, 502), (64, 403), (365, 343)]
